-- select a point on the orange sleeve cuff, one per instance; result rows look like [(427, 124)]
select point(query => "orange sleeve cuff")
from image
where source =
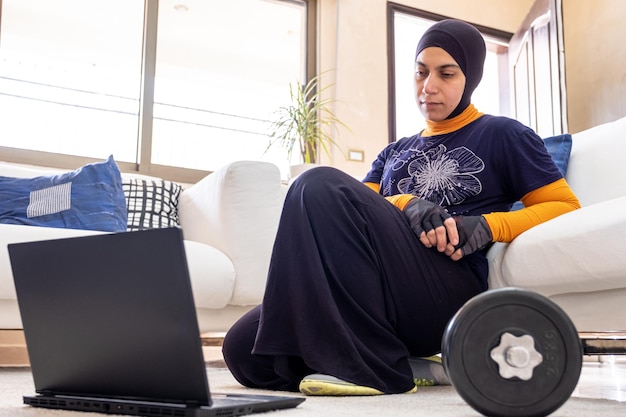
[(373, 186), (400, 200), (541, 205)]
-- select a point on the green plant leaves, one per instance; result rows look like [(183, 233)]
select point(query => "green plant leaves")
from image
[(307, 122)]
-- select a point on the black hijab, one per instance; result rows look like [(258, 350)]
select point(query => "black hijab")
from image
[(466, 45)]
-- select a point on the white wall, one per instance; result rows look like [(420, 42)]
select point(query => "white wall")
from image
[(595, 61)]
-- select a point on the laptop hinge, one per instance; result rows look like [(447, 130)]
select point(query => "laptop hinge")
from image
[(194, 404)]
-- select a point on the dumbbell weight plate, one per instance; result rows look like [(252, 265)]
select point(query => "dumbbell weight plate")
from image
[(478, 328)]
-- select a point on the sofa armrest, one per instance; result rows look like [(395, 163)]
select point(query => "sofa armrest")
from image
[(495, 256), (236, 210), (580, 251)]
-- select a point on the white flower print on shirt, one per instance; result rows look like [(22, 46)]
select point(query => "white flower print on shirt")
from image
[(441, 176)]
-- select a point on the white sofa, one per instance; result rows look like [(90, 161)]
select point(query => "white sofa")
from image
[(229, 221), (578, 259)]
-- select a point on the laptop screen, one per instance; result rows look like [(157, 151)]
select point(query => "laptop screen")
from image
[(111, 315)]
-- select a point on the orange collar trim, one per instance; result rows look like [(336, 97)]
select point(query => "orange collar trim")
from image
[(450, 125)]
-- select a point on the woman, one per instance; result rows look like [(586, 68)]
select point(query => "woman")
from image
[(360, 282)]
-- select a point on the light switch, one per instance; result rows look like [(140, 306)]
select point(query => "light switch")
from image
[(356, 155)]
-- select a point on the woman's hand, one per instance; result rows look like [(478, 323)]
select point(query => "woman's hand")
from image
[(432, 224), (474, 234)]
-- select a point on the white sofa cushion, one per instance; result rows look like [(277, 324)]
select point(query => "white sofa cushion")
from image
[(236, 210), (212, 275), (580, 251), (596, 163)]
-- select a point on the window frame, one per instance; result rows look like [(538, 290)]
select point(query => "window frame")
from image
[(392, 9), (144, 136)]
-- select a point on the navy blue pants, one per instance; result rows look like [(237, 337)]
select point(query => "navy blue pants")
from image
[(351, 292)]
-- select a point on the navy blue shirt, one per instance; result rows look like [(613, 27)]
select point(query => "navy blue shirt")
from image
[(484, 167)]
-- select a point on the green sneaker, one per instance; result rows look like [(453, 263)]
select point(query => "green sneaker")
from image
[(428, 371), (326, 385)]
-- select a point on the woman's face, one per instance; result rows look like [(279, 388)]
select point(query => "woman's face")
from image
[(439, 83)]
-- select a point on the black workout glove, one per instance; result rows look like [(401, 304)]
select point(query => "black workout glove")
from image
[(474, 233), (425, 215)]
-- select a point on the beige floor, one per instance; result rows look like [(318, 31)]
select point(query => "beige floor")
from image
[(601, 378), (604, 378)]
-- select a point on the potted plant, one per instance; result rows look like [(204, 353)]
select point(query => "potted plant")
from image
[(306, 123)]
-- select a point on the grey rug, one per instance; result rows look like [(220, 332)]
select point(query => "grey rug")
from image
[(428, 401)]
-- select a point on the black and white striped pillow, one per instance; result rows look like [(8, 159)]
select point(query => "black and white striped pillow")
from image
[(151, 204)]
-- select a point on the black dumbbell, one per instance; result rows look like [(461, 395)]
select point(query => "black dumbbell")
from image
[(512, 353)]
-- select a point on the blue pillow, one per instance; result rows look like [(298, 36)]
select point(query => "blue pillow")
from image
[(89, 198), (559, 147)]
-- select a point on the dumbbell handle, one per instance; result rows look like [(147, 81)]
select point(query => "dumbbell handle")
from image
[(608, 343)]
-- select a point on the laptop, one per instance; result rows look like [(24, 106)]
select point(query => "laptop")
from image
[(111, 327)]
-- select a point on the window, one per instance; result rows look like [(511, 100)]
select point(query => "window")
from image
[(174, 88), (212, 97), (70, 75), (406, 27)]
